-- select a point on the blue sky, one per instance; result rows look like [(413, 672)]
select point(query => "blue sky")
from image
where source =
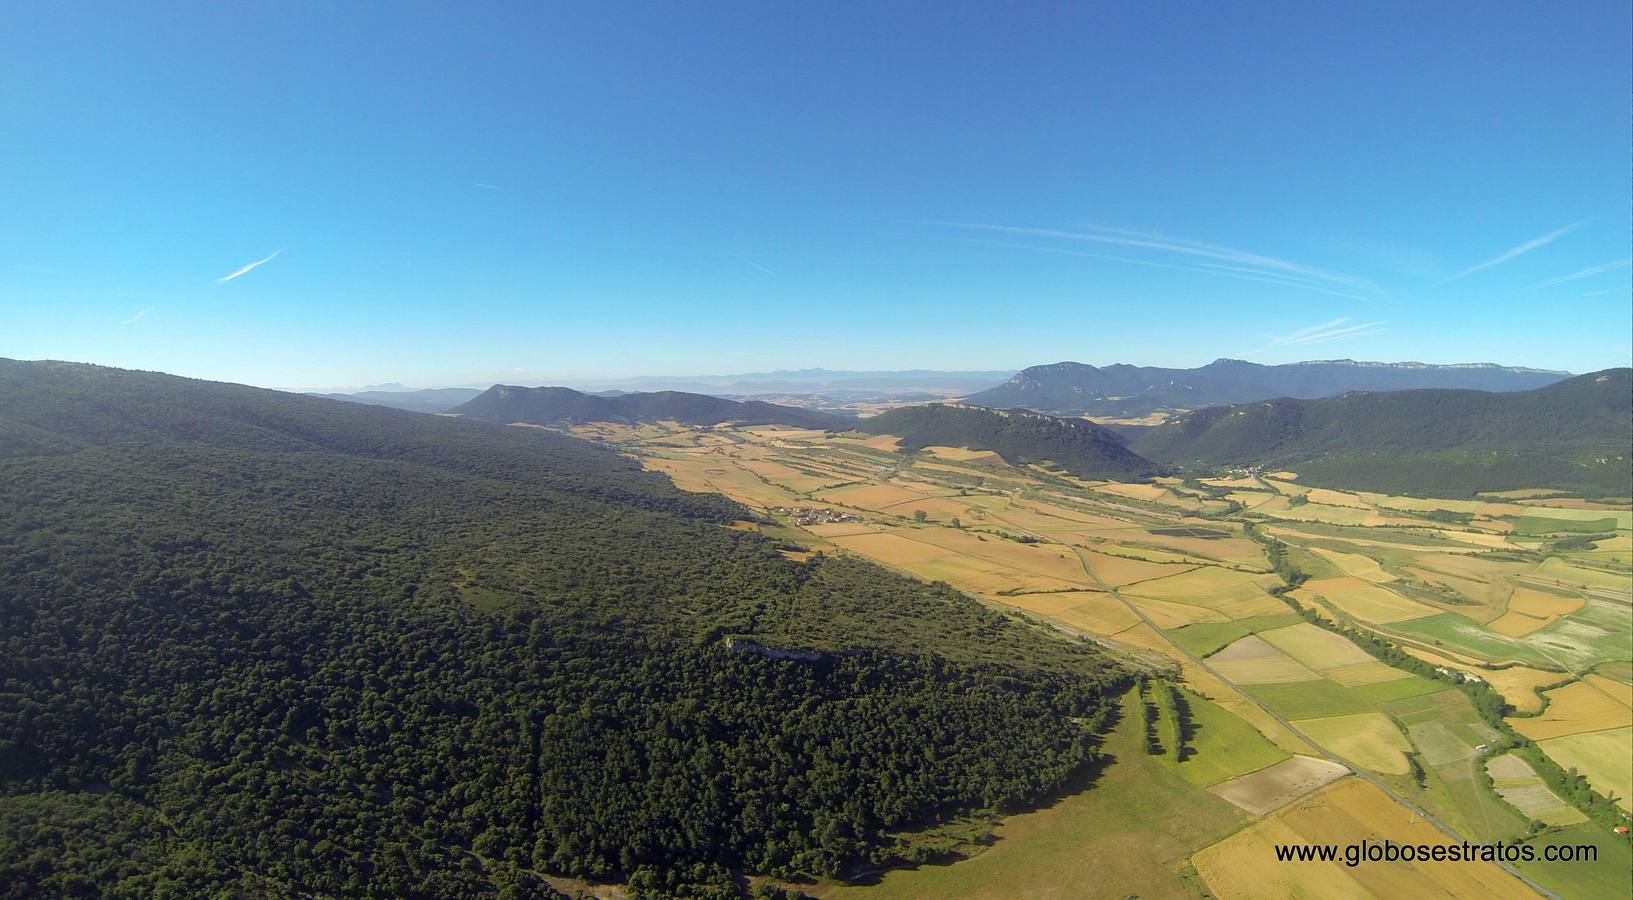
[(453, 193)]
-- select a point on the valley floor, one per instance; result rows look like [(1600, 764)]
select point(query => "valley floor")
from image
[(1528, 595)]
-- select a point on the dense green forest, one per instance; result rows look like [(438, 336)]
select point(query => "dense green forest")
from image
[(1573, 435), (255, 643), (504, 404), (1077, 446)]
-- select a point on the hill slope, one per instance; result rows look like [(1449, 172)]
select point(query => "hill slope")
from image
[(265, 644), (429, 400), (1573, 435), (1123, 390), (1079, 447), (504, 404)]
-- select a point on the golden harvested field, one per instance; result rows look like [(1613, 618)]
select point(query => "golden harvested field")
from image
[(1601, 756), (1554, 570), (972, 457), (1252, 661), (1269, 789), (871, 496), (1517, 684), (939, 508), (1370, 672), (1095, 612), (1149, 492), (1370, 740), (1052, 560), (1213, 587), (1244, 483), (1170, 615), (1283, 486), (786, 476), (1529, 610), (877, 442), (1244, 865), (1364, 600), (1315, 647), (839, 529), (1418, 504), (1118, 571), (1595, 704), (1480, 538), (1356, 564)]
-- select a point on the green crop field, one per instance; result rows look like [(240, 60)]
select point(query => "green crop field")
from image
[(1209, 637), (1310, 699), (1530, 525), (1458, 633), (1384, 692)]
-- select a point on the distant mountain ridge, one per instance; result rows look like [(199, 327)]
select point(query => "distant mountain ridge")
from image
[(504, 404), (1574, 434), (1080, 447), (1123, 390)]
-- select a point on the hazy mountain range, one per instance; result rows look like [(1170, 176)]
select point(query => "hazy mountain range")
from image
[(1124, 390), (506, 404)]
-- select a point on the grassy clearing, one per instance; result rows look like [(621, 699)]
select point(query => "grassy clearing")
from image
[(1127, 834)]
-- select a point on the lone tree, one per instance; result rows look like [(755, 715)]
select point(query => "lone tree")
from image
[(918, 515)]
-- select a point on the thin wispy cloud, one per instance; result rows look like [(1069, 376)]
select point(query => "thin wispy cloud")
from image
[(1257, 264), (247, 269), (1237, 272), (39, 270), (1583, 273), (1600, 293), (491, 187), (760, 267), (1516, 250), (1320, 333), (1327, 331), (135, 317)]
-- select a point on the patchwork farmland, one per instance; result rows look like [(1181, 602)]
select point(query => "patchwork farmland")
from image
[(1287, 705)]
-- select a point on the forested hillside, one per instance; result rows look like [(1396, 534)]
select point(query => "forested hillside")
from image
[(1574, 435), (272, 645), (1080, 447), (504, 404)]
